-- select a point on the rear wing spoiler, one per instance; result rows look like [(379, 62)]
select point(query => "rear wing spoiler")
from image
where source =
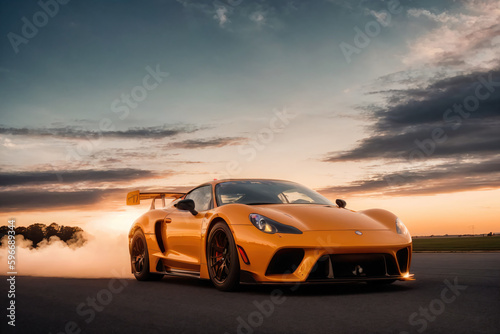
[(135, 197)]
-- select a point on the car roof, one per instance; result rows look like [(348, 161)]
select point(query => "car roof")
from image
[(215, 181)]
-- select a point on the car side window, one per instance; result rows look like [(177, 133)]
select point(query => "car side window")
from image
[(202, 198)]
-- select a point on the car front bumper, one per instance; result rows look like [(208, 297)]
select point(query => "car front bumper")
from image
[(323, 256)]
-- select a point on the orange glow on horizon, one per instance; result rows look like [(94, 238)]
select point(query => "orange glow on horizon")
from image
[(456, 213)]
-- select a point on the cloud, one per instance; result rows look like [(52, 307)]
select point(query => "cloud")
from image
[(410, 119), (242, 16), (221, 15), (70, 189), (207, 143), (437, 127), (258, 17), (345, 4), (442, 178), (86, 133), (217, 10), (442, 17), (88, 199), (41, 200), (469, 39), (72, 176), (381, 17)]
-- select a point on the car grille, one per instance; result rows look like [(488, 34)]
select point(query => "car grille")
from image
[(354, 266)]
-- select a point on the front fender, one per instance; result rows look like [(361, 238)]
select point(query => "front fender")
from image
[(387, 218), (383, 216)]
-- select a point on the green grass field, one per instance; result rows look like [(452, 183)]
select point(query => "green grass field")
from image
[(457, 244)]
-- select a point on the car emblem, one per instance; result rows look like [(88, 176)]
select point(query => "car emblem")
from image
[(358, 271), (359, 233)]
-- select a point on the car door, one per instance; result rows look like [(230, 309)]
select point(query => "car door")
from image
[(183, 237)]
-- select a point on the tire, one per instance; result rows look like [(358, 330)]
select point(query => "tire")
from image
[(222, 258), (139, 258)]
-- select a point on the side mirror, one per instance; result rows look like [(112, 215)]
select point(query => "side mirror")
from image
[(188, 205), (341, 203)]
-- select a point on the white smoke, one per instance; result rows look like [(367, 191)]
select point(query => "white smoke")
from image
[(104, 255)]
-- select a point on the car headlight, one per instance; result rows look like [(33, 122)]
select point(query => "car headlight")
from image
[(400, 227), (267, 225)]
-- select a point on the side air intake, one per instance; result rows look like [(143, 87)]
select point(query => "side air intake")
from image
[(159, 238), (285, 261)]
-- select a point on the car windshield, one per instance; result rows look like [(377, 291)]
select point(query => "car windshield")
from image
[(266, 192)]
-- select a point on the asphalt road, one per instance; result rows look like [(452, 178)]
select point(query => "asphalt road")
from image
[(453, 293)]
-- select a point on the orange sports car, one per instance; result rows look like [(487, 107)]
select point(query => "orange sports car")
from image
[(265, 231)]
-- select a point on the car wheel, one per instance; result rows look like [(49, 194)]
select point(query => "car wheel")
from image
[(222, 259), (139, 258)]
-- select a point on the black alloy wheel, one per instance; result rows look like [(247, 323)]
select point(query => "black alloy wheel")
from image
[(222, 258)]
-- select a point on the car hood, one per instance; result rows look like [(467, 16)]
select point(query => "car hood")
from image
[(313, 217)]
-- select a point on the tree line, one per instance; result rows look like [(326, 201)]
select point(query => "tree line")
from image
[(38, 232)]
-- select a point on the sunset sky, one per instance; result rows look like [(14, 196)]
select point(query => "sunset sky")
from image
[(381, 103)]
